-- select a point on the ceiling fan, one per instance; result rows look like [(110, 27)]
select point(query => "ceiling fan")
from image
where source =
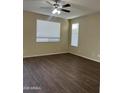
[(58, 7)]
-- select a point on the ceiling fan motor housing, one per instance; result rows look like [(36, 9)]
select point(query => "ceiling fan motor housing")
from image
[(56, 5)]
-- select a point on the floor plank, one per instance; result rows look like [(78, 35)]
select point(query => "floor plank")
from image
[(62, 73)]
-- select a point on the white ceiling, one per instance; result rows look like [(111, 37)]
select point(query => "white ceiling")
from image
[(78, 7)]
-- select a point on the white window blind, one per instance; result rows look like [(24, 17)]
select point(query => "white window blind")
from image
[(74, 34), (47, 31)]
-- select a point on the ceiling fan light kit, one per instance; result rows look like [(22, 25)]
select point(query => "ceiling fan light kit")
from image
[(56, 11), (58, 7)]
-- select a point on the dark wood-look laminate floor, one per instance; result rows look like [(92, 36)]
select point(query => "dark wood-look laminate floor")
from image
[(62, 73)]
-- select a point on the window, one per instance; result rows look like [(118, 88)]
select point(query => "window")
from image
[(47, 31), (74, 34)]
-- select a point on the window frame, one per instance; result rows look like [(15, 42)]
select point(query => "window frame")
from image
[(36, 36), (77, 34)]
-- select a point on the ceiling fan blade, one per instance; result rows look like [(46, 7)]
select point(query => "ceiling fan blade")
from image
[(50, 18), (65, 10), (66, 5), (45, 7), (49, 3), (57, 1)]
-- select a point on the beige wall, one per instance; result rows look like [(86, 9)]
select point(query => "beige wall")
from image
[(31, 47), (89, 37)]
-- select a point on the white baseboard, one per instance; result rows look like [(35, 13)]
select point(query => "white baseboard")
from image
[(44, 54), (85, 57), (60, 53)]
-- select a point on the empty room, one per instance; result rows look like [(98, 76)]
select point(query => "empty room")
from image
[(61, 46)]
